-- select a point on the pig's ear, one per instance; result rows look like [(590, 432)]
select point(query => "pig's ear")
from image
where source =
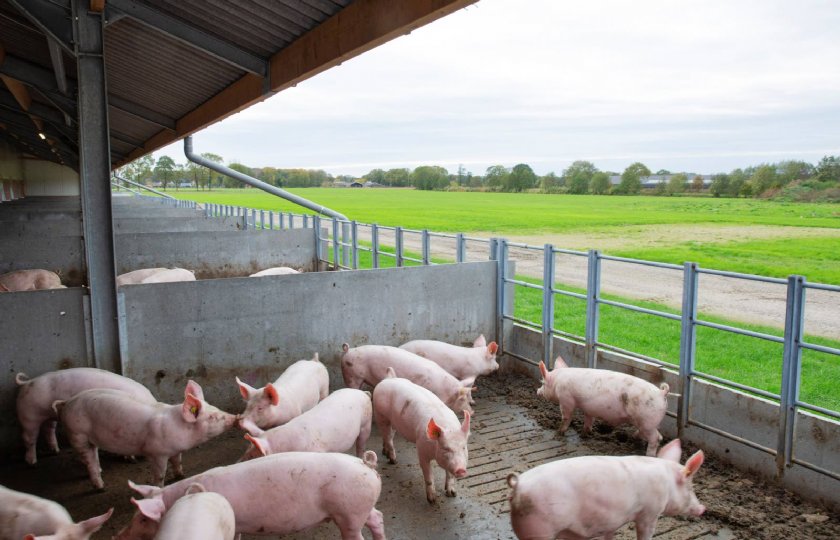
[(258, 444), (693, 464), (191, 408), (150, 508), (480, 341), (245, 390), (271, 394), (195, 487), (90, 526), (432, 430), (195, 389), (468, 381), (248, 426), (560, 363), (4, 289), (493, 347), (390, 373), (145, 491), (543, 371), (465, 425), (671, 451)]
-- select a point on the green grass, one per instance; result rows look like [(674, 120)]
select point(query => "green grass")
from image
[(537, 214)]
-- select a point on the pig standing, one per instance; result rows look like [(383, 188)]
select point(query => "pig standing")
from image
[(592, 496), (137, 276), (298, 389), (282, 494), (26, 516), (462, 362), (335, 424), (198, 515), (617, 398), (369, 364), (171, 275), (422, 418), (276, 271), (36, 396), (29, 280), (118, 423)]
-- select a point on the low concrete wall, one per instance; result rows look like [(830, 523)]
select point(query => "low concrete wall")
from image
[(62, 254), (41, 331), (71, 226), (177, 224), (817, 439), (217, 254), (214, 330)]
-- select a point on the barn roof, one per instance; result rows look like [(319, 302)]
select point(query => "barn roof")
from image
[(174, 67)]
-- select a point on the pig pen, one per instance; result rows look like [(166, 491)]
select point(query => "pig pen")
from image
[(512, 430)]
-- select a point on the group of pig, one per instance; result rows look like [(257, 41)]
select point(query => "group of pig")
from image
[(294, 473)]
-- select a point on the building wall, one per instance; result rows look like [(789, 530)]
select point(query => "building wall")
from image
[(47, 178)]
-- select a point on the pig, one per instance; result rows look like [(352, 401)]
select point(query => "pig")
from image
[(369, 363), (281, 494), (276, 271), (116, 422), (36, 396), (462, 362), (30, 280), (616, 398), (335, 424), (301, 386), (422, 418), (170, 276), (198, 515), (137, 276), (593, 496), (29, 517)]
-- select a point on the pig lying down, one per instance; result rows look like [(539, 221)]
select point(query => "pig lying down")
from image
[(155, 275), (27, 517), (593, 496), (422, 418), (280, 494), (29, 280), (462, 362), (616, 398), (116, 422), (340, 422), (36, 396), (198, 515), (276, 271), (137, 276)]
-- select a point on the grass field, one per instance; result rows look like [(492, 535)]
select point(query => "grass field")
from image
[(795, 238)]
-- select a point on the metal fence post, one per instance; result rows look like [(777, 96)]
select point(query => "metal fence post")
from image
[(291, 220), (593, 292), (791, 370), (548, 305), (688, 343), (271, 219), (398, 245), (317, 227), (460, 248), (502, 256), (236, 214), (280, 221), (426, 248), (346, 254), (262, 219), (354, 235), (374, 248), (305, 221), (335, 242)]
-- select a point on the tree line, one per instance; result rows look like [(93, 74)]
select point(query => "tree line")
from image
[(795, 180)]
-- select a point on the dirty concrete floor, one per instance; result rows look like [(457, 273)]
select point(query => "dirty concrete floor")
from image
[(512, 431)]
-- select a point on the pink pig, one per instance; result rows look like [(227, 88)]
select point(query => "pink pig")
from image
[(462, 362), (592, 496), (297, 390), (198, 515), (116, 422), (422, 418), (36, 396), (137, 276), (29, 280), (281, 494), (615, 397), (336, 424), (369, 364), (276, 271), (25, 516), (171, 275)]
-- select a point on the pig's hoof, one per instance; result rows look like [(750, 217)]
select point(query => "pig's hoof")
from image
[(431, 499), (450, 493)]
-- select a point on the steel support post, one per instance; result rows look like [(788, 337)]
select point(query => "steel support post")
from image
[(305, 221), (460, 248), (374, 248), (335, 242), (354, 234), (688, 343), (593, 292), (316, 226), (95, 173), (426, 247), (398, 245), (346, 254), (791, 370), (501, 259), (548, 305)]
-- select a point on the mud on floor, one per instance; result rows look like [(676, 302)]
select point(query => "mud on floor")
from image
[(512, 430)]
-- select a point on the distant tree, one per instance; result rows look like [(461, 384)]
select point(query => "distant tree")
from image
[(828, 169), (677, 184), (762, 179), (549, 183), (600, 184), (345, 178), (496, 177), (661, 188), (631, 179), (212, 176), (663, 172), (719, 185), (140, 170), (376, 175), (737, 186), (165, 170), (789, 171), (521, 178), (697, 184), (429, 177), (397, 177), (578, 175)]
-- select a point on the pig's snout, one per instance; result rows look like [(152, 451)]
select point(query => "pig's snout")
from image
[(698, 510), (460, 473)]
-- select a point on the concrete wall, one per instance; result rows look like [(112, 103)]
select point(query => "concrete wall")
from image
[(176, 224), (48, 178), (41, 331), (254, 328), (217, 254), (817, 439), (62, 254), (11, 164)]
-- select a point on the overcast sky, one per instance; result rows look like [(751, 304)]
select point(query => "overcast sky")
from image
[(697, 85)]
